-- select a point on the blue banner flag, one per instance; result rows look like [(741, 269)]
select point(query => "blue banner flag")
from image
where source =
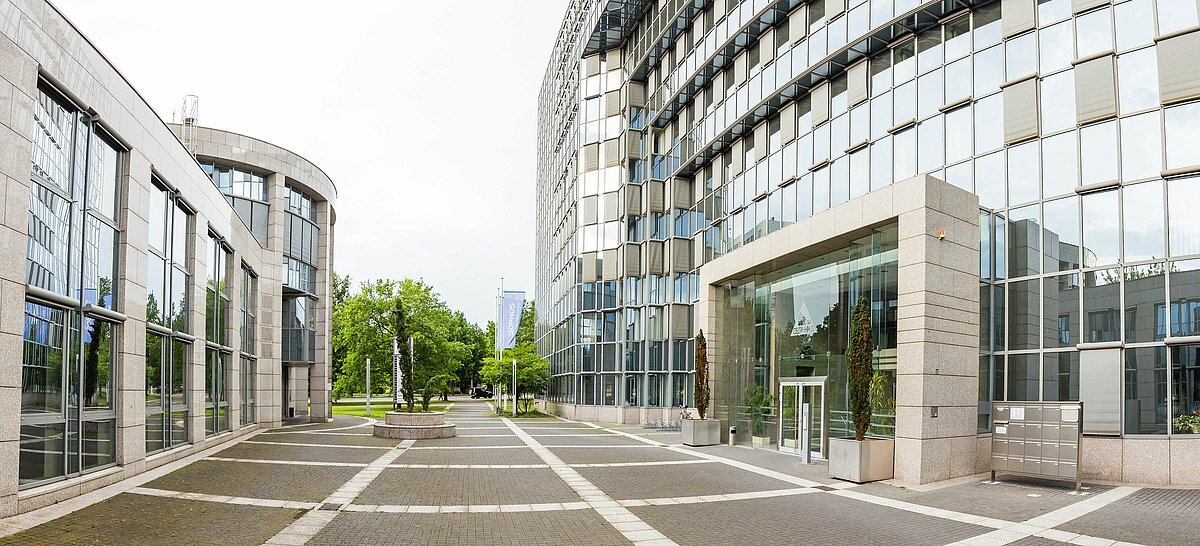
[(511, 305)]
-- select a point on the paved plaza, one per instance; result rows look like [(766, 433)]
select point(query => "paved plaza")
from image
[(549, 481)]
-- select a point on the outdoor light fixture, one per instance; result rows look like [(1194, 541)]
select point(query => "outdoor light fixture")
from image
[(942, 235)]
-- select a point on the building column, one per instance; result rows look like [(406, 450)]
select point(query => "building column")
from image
[(18, 75), (937, 347), (320, 375)]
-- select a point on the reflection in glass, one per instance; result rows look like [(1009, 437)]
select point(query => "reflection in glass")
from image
[(1137, 78), (1060, 376), (1141, 147), (1144, 229), (1145, 310), (1101, 228), (1023, 183), (1060, 171), (1183, 195), (1062, 234), (1185, 298), (1098, 152), (1061, 311), (1024, 330), (1183, 132), (1101, 305), (1146, 390), (1023, 378)]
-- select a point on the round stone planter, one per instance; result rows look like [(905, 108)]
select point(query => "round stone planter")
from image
[(401, 425)]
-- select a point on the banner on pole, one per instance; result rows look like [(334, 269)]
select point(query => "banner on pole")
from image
[(511, 305), (397, 396)]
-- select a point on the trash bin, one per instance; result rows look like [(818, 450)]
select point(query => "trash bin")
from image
[(732, 434)]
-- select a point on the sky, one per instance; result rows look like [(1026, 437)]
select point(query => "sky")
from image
[(424, 114)]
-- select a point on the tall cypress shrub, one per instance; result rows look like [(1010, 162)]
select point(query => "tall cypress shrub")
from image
[(858, 362), (701, 375)]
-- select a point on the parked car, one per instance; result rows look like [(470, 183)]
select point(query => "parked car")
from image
[(481, 392)]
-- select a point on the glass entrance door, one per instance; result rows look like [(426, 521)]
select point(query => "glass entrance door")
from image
[(802, 417)]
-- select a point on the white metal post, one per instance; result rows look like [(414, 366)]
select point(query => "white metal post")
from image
[(368, 387), (514, 391)]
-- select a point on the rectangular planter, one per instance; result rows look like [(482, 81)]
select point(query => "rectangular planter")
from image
[(761, 441), (701, 432), (860, 462)]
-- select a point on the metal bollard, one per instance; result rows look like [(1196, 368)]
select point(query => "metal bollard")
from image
[(732, 433)]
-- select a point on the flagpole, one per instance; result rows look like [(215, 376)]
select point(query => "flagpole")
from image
[(496, 344)]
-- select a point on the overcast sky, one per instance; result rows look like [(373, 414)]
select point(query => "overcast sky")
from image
[(424, 114)]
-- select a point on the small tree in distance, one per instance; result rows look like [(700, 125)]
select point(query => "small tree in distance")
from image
[(858, 360), (701, 375)]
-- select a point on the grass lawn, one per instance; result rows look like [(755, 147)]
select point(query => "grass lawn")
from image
[(378, 406)]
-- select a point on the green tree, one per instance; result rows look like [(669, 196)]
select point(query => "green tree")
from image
[(341, 292), (475, 340), (533, 372), (858, 362), (369, 325)]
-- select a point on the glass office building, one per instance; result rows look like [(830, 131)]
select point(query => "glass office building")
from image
[(143, 323), (691, 152)]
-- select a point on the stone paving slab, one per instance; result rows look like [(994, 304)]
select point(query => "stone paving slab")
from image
[(260, 481), (339, 421), (806, 519), (1013, 498), (641, 482), (139, 519), (1148, 516), (469, 456), (327, 439), (563, 527), (461, 486), (335, 454), (616, 454)]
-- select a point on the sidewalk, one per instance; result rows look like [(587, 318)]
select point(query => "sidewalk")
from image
[(549, 481)]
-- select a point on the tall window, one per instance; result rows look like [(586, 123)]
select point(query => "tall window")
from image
[(216, 365), (299, 275), (168, 342), (249, 328), (68, 406)]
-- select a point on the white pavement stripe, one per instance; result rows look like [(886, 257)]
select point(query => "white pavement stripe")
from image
[(275, 461), (472, 508), (719, 498), (1043, 525), (926, 510), (307, 526), (322, 433), (468, 466), (484, 435), (266, 503), (624, 521), (590, 434), (641, 463), (296, 444), (469, 447), (615, 446), (369, 421)]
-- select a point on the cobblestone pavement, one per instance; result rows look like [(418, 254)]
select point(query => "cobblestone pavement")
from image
[(550, 481)]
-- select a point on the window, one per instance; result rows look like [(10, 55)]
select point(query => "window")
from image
[(1101, 302), (1135, 24), (1137, 81), (1183, 131), (70, 337), (1098, 152), (1141, 147), (1144, 222), (1183, 194), (1093, 32), (249, 323), (1060, 304), (1101, 229), (216, 392), (169, 277)]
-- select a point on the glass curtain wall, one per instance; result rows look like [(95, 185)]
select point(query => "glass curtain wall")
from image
[(792, 323), (168, 339), (249, 352), (247, 192), (68, 401), (218, 352)]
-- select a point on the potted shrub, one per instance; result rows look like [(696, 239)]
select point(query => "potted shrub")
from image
[(700, 431), (861, 459), (1188, 423), (760, 403)]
